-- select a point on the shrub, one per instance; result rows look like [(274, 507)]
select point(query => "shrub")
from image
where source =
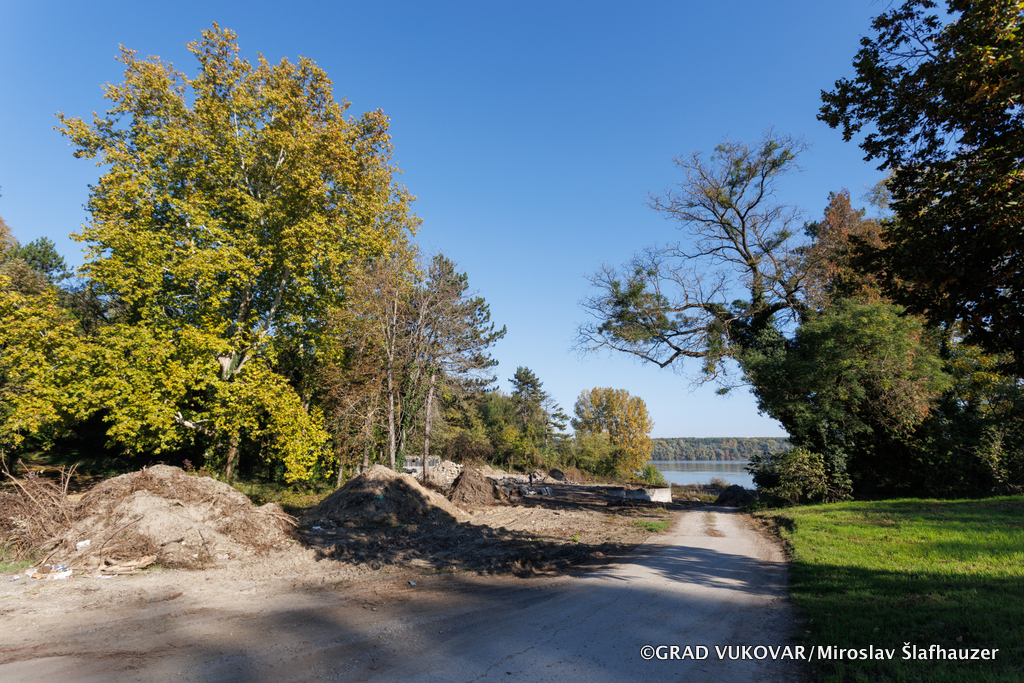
[(652, 476), (798, 476)]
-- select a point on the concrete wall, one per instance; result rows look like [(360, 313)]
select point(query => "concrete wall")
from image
[(658, 495)]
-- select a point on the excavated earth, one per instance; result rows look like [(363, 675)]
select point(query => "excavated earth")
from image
[(380, 566)]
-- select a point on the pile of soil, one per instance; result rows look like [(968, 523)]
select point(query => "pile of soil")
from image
[(184, 520), (736, 496), (381, 497), (472, 488)]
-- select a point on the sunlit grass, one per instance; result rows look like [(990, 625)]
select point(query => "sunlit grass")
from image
[(653, 526), (911, 572)]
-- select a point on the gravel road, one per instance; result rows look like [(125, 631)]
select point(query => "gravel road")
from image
[(711, 580)]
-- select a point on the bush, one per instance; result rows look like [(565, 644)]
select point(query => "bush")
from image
[(651, 476), (469, 446), (798, 476)]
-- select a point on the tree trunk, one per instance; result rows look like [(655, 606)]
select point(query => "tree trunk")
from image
[(426, 431), (391, 414), (232, 459), (367, 428)]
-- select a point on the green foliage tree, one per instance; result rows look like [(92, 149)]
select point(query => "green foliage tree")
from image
[(223, 228), (973, 441), (620, 417), (798, 476), (542, 418), (529, 398), (40, 356), (589, 452), (939, 96), (41, 256), (680, 301), (855, 382), (452, 334)]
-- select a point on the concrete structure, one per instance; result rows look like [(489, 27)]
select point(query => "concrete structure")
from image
[(655, 495)]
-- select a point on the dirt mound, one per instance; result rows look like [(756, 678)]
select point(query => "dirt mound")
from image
[(184, 520), (473, 488), (736, 496), (382, 497), (491, 472)]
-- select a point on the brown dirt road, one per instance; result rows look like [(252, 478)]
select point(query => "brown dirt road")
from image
[(711, 580)]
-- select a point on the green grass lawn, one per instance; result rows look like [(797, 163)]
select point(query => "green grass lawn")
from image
[(651, 525), (911, 573)]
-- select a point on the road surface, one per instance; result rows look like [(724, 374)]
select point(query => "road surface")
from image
[(710, 581)]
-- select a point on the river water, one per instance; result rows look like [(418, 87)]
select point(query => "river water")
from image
[(701, 472)]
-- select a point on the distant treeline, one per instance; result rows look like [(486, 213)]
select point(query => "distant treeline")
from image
[(717, 448)]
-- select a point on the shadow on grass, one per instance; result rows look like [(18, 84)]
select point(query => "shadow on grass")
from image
[(852, 607), (915, 572)]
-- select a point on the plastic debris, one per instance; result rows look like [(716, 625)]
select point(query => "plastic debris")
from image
[(83, 544), (317, 528), (412, 583)]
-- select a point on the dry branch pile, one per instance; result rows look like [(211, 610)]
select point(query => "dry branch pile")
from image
[(35, 513)]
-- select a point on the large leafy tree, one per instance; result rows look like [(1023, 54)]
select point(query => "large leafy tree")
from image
[(857, 377), (937, 95), (40, 356), (222, 231), (620, 417)]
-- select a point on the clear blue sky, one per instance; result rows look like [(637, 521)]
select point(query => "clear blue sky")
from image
[(530, 132)]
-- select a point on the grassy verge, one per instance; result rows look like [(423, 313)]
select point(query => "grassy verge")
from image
[(655, 527), (908, 574)]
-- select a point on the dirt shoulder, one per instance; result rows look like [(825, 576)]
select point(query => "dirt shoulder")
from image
[(298, 615), (568, 568)]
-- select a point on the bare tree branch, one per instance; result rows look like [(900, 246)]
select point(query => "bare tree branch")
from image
[(713, 292)]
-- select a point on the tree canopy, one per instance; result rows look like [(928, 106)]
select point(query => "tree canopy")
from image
[(623, 419), (855, 374), (222, 233), (937, 95), (712, 293)]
